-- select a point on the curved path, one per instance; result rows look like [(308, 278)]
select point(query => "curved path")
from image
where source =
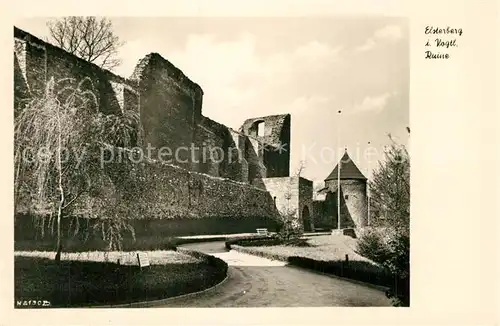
[(259, 282)]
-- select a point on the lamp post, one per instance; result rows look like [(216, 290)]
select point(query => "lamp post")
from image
[(338, 172), (368, 188)]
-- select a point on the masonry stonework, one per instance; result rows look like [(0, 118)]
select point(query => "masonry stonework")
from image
[(353, 202), (239, 178), (275, 137), (292, 195), (306, 207), (218, 173)]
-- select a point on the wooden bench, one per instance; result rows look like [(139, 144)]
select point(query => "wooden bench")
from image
[(262, 232)]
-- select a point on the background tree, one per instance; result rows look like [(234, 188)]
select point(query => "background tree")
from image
[(89, 38), (389, 245), (300, 169), (59, 140), (390, 188)]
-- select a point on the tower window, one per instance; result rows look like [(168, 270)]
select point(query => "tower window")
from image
[(346, 197), (257, 128), (260, 129)]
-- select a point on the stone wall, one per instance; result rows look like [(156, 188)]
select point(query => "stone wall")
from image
[(306, 207), (323, 218), (275, 136), (293, 195), (36, 62), (192, 187), (164, 200), (353, 202), (284, 191), (172, 192), (170, 107)]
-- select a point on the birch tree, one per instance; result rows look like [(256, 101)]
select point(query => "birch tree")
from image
[(59, 139)]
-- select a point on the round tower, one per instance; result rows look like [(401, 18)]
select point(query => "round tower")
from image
[(354, 206), (353, 195)]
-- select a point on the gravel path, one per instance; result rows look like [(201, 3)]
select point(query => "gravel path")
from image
[(259, 282)]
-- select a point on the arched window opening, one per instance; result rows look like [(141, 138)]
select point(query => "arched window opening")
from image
[(257, 128), (260, 128)]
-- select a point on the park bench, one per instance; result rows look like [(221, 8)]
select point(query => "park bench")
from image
[(262, 232)]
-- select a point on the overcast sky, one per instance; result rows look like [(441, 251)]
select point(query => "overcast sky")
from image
[(309, 67)]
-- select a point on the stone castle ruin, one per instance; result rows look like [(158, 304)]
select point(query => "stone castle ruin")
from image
[(242, 186)]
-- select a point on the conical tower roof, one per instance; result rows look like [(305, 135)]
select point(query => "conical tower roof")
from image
[(348, 170)]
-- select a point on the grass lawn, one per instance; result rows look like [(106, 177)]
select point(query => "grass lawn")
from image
[(326, 248), (325, 254), (156, 257), (79, 283)]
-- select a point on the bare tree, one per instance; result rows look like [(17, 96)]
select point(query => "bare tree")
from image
[(301, 168), (89, 38)]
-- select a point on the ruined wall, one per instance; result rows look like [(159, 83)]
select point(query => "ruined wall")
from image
[(36, 62), (276, 138), (306, 203), (167, 200), (177, 193), (292, 194), (175, 201), (238, 165), (284, 191), (170, 107), (254, 152)]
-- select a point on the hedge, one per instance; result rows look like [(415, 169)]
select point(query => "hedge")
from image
[(150, 234), (355, 270), (259, 241), (236, 241)]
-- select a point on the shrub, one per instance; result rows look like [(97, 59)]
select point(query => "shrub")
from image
[(391, 249), (398, 262), (356, 270), (288, 225), (372, 246), (390, 196)]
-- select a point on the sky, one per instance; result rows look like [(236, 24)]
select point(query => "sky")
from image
[(310, 67)]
